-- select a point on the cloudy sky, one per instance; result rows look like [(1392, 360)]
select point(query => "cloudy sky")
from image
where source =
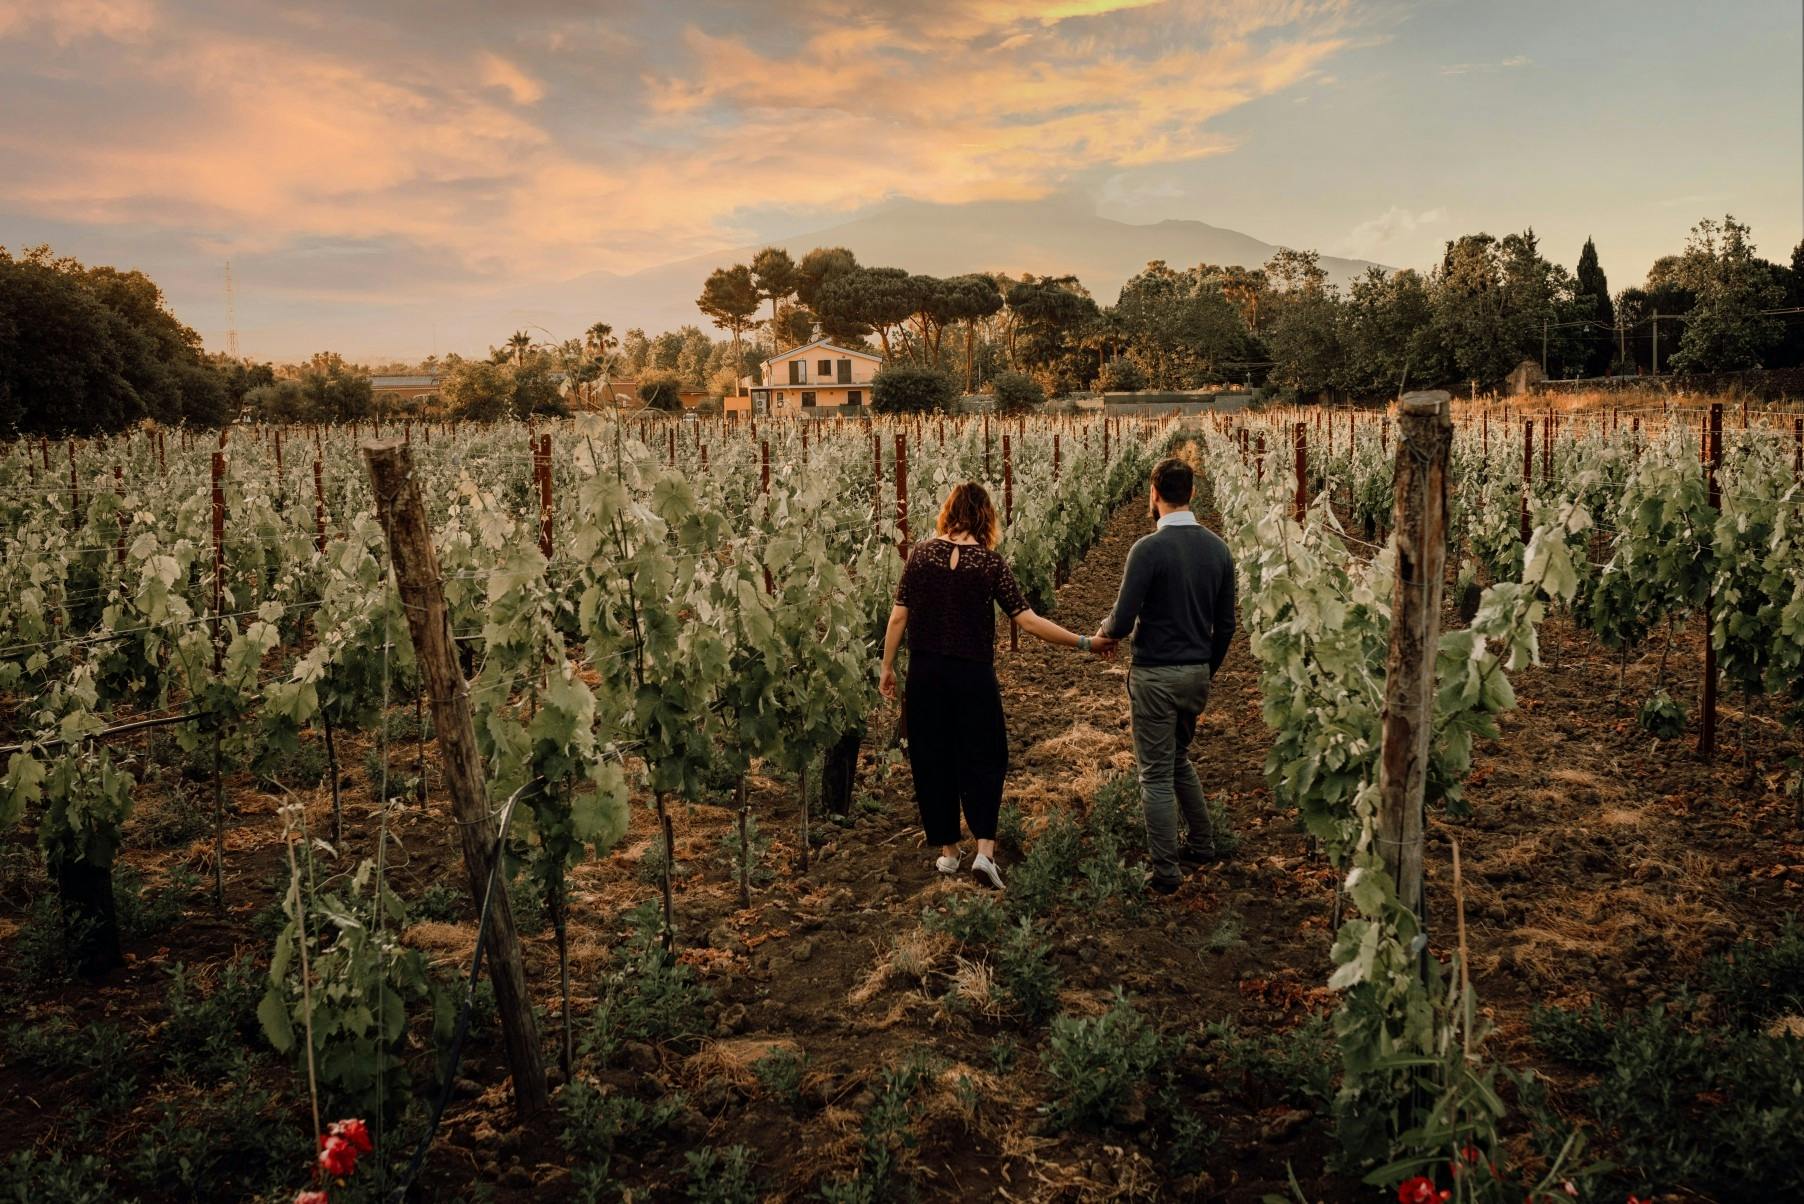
[(364, 163)]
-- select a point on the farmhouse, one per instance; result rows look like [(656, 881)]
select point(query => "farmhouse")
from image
[(815, 376)]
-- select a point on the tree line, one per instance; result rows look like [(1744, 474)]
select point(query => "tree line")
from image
[(88, 349), (1490, 304), (85, 349)]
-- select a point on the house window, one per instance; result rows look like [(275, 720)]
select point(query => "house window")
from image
[(854, 397), (797, 371), (826, 367), (845, 371), (807, 398), (779, 399)]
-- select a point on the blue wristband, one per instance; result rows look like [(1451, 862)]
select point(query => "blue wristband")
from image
[(1083, 643)]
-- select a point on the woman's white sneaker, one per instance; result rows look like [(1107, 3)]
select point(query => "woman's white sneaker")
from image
[(946, 865), (986, 873)]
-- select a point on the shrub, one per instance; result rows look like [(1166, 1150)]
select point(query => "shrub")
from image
[(779, 1075), (440, 901), (142, 914), (1097, 1063), (1016, 394), (1297, 1065), (1121, 376), (205, 1036), (910, 389), (56, 1049), (1029, 980), (888, 1134), (1688, 1103), (1011, 832), (1662, 715), (966, 916), (1038, 883), (1752, 982), (60, 1178), (234, 1143), (647, 995), (598, 1124), (720, 1177), (659, 391)]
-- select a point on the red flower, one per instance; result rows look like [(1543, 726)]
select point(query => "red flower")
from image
[(355, 1132), (1635, 1199), (310, 1197), (1420, 1190), (337, 1157)]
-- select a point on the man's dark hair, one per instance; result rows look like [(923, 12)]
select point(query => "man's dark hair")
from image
[(1174, 481)]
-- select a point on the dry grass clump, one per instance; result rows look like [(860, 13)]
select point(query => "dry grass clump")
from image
[(1082, 744), (911, 958), (732, 1059), (974, 991), (1786, 1026), (1603, 924), (438, 939)]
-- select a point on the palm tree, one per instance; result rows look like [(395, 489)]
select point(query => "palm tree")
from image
[(600, 341), (521, 342), (600, 338)]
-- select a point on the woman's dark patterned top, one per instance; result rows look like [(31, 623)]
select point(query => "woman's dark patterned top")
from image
[(949, 609)]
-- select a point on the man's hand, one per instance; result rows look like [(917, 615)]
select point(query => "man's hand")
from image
[(1103, 646), (886, 684)]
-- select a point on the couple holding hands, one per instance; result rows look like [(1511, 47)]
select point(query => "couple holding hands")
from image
[(1176, 604)]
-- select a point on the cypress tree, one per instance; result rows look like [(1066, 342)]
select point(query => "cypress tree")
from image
[(1600, 345)]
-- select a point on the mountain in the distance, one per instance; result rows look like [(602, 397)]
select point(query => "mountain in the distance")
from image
[(1050, 237)]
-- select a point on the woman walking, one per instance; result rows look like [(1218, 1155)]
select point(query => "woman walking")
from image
[(957, 739)]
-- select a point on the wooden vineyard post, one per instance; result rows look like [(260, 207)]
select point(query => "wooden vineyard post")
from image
[(902, 491), (218, 669), (1547, 449), (74, 488), (1714, 464), (876, 474), (1008, 517), (1259, 458), (1301, 450), (542, 465), (986, 447), (1797, 452), (319, 502), (1528, 469), (403, 518), (122, 518), (1424, 440), (770, 585)]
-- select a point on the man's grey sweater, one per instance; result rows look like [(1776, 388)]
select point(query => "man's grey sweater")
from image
[(1177, 596)]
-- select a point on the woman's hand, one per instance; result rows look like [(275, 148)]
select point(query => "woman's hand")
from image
[(886, 684)]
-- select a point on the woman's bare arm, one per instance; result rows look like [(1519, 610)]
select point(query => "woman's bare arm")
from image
[(892, 640), (1045, 629)]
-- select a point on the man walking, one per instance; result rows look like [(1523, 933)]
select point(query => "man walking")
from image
[(1177, 600)]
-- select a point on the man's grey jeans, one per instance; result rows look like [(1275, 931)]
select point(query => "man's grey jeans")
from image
[(1165, 701)]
